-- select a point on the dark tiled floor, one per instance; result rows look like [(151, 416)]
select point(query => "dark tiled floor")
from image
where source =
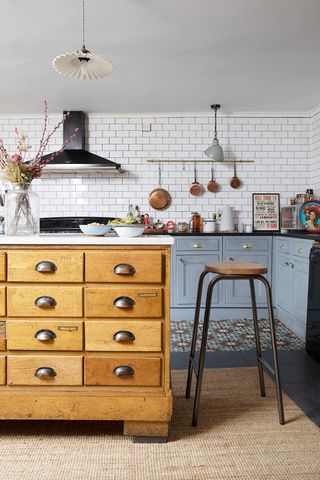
[(300, 373)]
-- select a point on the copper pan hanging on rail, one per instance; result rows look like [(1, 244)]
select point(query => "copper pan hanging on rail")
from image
[(160, 198)]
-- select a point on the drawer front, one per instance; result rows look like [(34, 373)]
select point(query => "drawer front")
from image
[(45, 266), (42, 335), (44, 370), (123, 336), (2, 301), (2, 370), (124, 266), (246, 244), (44, 301), (123, 302), (140, 372), (197, 243), (2, 266), (301, 249), (283, 245)]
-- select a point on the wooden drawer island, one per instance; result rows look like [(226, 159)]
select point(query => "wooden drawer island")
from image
[(85, 330)]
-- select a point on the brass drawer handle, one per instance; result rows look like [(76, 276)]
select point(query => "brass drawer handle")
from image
[(123, 371), (45, 302), (124, 302), (197, 245), (45, 372), (247, 245), (124, 269), (45, 335), (124, 336), (46, 267)]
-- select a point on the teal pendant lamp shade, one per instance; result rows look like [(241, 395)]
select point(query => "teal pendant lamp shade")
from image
[(215, 151)]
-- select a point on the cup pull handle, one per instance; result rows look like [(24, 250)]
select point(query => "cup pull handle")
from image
[(46, 267), (123, 302), (45, 302), (124, 269), (247, 245), (45, 335), (123, 371), (124, 337), (45, 372), (197, 245)]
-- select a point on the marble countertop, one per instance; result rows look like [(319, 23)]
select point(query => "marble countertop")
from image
[(80, 239)]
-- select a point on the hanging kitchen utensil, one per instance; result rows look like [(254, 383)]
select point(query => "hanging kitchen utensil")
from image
[(235, 181), (212, 186), (195, 188), (159, 198)]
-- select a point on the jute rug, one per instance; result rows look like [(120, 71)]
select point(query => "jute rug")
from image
[(238, 438)]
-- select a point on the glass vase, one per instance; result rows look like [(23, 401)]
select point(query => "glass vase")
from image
[(21, 210)]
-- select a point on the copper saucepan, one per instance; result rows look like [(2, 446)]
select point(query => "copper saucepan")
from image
[(195, 188), (235, 181), (212, 186), (160, 198)]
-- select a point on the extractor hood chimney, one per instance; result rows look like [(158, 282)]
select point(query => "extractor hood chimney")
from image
[(74, 158)]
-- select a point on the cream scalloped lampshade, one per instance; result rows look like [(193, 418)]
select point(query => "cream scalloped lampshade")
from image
[(82, 65)]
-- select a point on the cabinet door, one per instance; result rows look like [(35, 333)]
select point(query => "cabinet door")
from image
[(300, 280), (188, 270), (284, 282), (238, 291)]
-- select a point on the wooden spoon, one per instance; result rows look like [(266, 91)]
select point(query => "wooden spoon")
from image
[(212, 186), (235, 181)]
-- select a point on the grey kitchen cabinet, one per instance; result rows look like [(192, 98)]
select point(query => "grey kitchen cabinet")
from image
[(291, 280), (246, 249)]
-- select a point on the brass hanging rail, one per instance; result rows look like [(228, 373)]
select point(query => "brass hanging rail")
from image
[(199, 161)]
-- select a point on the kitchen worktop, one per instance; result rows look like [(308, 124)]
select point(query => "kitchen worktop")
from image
[(80, 239), (297, 234)]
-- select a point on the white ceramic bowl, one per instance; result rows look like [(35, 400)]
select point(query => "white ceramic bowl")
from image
[(128, 230), (95, 230)]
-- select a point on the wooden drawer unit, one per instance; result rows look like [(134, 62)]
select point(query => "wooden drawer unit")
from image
[(124, 266), (44, 370), (44, 301), (2, 301), (198, 243), (123, 302), (133, 371), (44, 335), (246, 244), (2, 370), (123, 336), (45, 266), (2, 266)]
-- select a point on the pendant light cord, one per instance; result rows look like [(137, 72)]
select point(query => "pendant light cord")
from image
[(215, 123), (83, 35)]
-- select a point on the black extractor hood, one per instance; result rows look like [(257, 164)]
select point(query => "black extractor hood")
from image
[(74, 158)]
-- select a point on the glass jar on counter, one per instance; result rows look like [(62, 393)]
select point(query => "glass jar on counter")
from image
[(195, 222)]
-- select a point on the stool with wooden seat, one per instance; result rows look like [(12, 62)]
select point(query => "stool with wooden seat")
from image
[(233, 271)]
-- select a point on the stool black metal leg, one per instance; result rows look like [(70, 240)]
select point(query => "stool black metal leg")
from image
[(202, 355), (257, 337), (195, 332), (274, 350)]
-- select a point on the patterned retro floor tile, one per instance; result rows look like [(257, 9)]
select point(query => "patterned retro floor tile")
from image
[(233, 335)]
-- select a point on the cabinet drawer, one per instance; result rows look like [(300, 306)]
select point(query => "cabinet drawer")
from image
[(129, 371), (42, 335), (198, 243), (123, 336), (283, 245), (2, 266), (246, 244), (65, 301), (301, 249), (124, 266), (2, 301), (2, 370), (123, 302), (21, 370), (45, 266)]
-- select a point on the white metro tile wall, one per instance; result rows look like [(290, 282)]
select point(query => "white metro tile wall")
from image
[(279, 147)]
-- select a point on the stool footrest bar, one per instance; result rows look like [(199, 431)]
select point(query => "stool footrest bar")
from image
[(267, 365)]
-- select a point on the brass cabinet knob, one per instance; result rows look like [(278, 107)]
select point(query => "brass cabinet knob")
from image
[(124, 269), (45, 372), (197, 245), (45, 302), (124, 336), (247, 245), (123, 302), (123, 371), (45, 335), (46, 267)]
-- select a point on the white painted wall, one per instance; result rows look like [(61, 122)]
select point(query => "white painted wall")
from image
[(279, 146)]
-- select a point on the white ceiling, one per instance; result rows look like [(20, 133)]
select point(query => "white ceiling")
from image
[(168, 55)]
